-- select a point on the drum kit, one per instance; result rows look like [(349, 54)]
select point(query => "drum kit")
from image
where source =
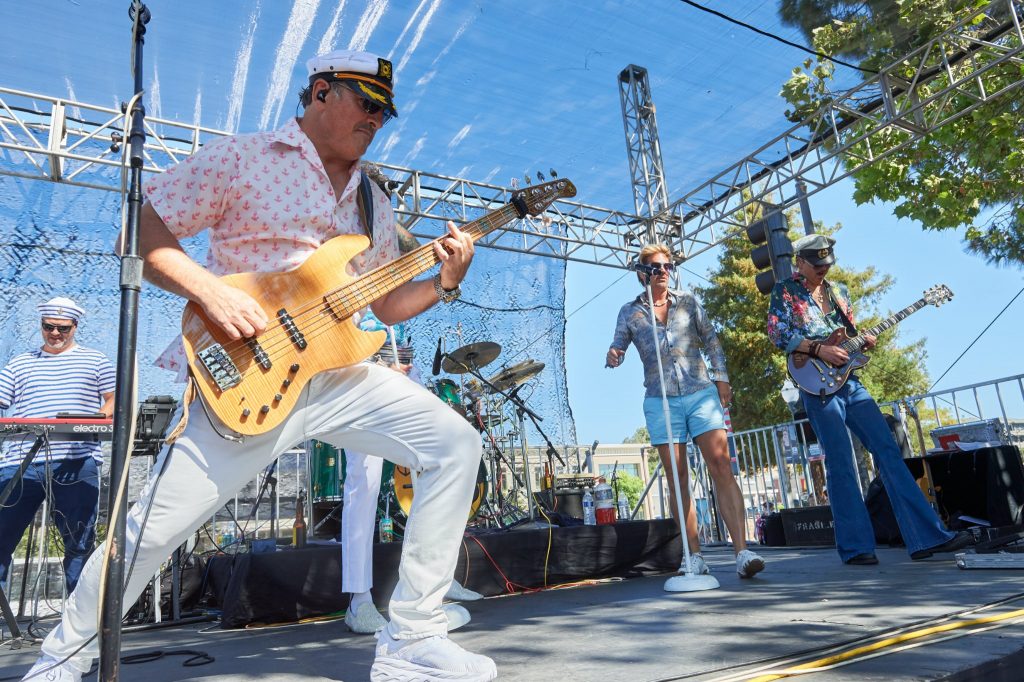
[(491, 404)]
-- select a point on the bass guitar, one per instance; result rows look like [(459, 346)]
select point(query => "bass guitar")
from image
[(253, 384), (817, 377)]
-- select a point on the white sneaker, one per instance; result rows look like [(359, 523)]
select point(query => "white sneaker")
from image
[(748, 564), (457, 616), (365, 619), (459, 593), (697, 564), (49, 669), (432, 659)]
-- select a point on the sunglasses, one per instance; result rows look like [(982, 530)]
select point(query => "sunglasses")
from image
[(661, 267), (62, 328), (370, 107)]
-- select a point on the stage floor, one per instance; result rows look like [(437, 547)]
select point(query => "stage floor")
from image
[(633, 630)]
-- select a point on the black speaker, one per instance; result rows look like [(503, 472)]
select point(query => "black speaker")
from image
[(986, 484)]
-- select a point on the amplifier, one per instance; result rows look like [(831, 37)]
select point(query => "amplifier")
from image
[(565, 481), (808, 526), (991, 431)]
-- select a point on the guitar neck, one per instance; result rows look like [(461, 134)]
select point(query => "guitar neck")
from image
[(378, 283), (857, 343)]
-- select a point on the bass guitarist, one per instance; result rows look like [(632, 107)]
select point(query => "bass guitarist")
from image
[(268, 201), (804, 310)]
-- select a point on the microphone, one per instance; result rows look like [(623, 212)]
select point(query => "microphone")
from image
[(637, 266), (436, 369)]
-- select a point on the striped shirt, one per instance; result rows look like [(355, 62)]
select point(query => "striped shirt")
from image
[(40, 384)]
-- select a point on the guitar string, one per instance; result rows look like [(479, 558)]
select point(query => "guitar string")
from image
[(362, 291), (277, 335)]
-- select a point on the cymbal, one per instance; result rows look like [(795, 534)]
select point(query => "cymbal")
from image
[(516, 374), (475, 355)]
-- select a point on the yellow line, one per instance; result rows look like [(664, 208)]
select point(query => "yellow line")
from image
[(906, 637)]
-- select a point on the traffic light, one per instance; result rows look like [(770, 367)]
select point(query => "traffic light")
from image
[(774, 256)]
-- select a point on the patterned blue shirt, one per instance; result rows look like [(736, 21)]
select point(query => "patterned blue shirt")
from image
[(794, 315), (40, 384), (688, 330)]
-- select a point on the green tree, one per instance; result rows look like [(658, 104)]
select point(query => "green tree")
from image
[(641, 435), (967, 175), (757, 369), (631, 485)]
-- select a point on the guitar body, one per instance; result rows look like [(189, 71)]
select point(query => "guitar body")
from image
[(817, 377), (265, 396)]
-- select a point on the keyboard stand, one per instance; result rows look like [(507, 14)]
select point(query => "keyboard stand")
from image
[(5, 606)]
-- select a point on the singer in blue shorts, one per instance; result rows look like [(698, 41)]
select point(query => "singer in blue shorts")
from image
[(695, 401)]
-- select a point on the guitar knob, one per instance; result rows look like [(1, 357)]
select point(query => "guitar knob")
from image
[(294, 368), (265, 409), (277, 397), (246, 412), (286, 383), (830, 384)]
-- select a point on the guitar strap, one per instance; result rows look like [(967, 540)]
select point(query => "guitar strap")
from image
[(364, 202), (851, 329)]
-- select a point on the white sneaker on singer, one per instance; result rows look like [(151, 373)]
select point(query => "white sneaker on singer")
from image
[(697, 564), (748, 564), (459, 593), (365, 619)]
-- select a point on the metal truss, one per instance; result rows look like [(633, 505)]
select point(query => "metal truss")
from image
[(74, 143), (646, 170), (940, 82)]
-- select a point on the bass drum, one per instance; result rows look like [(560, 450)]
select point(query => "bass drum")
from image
[(448, 391), (326, 465), (402, 480)]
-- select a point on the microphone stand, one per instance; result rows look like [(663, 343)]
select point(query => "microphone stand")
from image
[(131, 286)]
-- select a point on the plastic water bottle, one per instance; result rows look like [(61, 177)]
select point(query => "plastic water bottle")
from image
[(589, 518), (623, 504), (387, 529)]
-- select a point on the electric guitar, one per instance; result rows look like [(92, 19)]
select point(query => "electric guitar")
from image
[(252, 384), (817, 377)]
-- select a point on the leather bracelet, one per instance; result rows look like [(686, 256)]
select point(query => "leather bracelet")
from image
[(815, 346)]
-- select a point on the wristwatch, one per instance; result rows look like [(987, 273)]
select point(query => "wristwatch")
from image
[(445, 295)]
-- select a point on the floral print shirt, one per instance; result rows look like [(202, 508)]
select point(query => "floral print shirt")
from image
[(688, 329), (794, 315)]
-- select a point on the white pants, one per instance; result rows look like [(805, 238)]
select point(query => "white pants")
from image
[(367, 408), (358, 518)]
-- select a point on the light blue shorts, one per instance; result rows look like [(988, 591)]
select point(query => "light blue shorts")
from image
[(692, 415)]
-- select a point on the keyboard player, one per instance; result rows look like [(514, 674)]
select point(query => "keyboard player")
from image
[(59, 376)]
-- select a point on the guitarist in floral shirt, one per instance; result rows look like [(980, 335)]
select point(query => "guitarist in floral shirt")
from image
[(805, 310)]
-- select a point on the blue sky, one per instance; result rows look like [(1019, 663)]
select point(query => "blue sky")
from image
[(493, 90)]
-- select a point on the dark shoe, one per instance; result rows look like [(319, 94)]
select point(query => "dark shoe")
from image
[(962, 539), (866, 559)]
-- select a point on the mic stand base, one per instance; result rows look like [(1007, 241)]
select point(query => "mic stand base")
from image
[(690, 582)]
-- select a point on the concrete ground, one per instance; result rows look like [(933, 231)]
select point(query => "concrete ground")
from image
[(633, 630)]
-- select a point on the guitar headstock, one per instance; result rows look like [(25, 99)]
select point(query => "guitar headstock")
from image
[(938, 295), (535, 199)]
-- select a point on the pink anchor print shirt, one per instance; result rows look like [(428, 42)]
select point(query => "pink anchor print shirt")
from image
[(268, 204)]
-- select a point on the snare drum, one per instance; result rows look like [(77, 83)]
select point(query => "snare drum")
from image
[(448, 391)]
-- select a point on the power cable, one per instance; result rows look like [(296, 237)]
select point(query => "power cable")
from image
[(780, 39), (998, 315)]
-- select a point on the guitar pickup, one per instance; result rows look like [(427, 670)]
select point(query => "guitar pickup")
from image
[(293, 331), (258, 354), (220, 366)]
